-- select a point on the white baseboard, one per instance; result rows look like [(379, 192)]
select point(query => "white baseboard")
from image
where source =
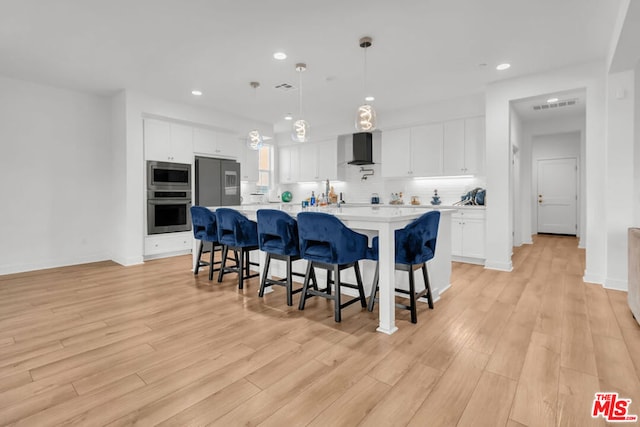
[(468, 260), (500, 266), (616, 284), (592, 278), (165, 255), (54, 263), (126, 262)]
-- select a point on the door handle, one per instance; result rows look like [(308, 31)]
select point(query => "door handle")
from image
[(539, 198)]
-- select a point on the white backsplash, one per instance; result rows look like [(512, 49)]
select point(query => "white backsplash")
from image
[(356, 190)]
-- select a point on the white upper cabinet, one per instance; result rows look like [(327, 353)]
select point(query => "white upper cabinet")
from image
[(426, 150), (327, 159), (396, 159), (464, 146), (474, 145), (454, 148), (167, 142), (288, 164), (312, 161), (412, 152), (217, 144), (249, 164)]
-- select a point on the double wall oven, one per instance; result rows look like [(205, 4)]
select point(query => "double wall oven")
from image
[(168, 197)]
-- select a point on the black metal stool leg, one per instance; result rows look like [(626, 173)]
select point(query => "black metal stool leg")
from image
[(212, 260), (305, 286), (412, 296), (289, 282), (197, 267), (374, 288), (225, 251), (241, 270), (427, 285), (336, 302), (363, 299), (265, 273)]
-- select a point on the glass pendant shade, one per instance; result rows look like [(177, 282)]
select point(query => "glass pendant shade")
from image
[(365, 118), (300, 131), (255, 140), (300, 128)]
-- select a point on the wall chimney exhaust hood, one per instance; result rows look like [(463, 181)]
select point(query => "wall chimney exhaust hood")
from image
[(362, 149)]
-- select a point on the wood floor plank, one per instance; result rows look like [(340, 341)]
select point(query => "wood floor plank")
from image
[(510, 352), (536, 397), (450, 395), (620, 306), (255, 410), (631, 338), (575, 398), (490, 402), (36, 403), (485, 338), (214, 406), (403, 400), (58, 414), (601, 316), (148, 344), (614, 364), (354, 405)]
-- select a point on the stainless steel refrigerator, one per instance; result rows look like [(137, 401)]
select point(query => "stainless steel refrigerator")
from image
[(217, 182)]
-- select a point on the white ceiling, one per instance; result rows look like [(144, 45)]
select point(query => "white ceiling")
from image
[(556, 110), (423, 50)]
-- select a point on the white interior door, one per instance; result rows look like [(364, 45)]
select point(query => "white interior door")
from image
[(557, 196)]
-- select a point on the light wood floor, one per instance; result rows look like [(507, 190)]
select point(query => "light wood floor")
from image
[(101, 344)]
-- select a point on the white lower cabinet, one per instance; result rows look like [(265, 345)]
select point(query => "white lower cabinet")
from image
[(168, 244), (468, 235)]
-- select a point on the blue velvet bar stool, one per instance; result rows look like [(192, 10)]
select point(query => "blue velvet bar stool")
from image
[(278, 237), (240, 234), (205, 229), (325, 242), (415, 244)]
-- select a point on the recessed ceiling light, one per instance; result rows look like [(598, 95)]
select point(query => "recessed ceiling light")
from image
[(369, 98), (196, 92), (280, 56), (503, 67), (288, 117), (550, 100)]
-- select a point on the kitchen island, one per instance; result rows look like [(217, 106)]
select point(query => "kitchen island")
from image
[(381, 221)]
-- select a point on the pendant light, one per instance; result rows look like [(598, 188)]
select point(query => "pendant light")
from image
[(365, 115), (300, 130), (254, 138)]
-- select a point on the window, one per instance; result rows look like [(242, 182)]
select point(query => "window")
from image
[(265, 168)]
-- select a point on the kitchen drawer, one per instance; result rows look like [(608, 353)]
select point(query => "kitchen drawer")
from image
[(169, 244)]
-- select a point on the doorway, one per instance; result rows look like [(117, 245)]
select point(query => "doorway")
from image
[(557, 196)]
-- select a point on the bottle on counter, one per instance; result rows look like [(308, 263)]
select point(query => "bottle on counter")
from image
[(312, 202)]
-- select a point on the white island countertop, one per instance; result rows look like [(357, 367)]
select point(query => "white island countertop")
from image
[(383, 222)]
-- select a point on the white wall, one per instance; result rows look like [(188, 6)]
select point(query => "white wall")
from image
[(619, 177), (56, 174), (499, 95), (517, 143), (636, 151)]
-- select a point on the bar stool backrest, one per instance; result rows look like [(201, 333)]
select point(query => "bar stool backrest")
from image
[(277, 232), (204, 224)]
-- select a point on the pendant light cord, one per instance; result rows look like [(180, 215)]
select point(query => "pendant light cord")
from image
[(300, 94)]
